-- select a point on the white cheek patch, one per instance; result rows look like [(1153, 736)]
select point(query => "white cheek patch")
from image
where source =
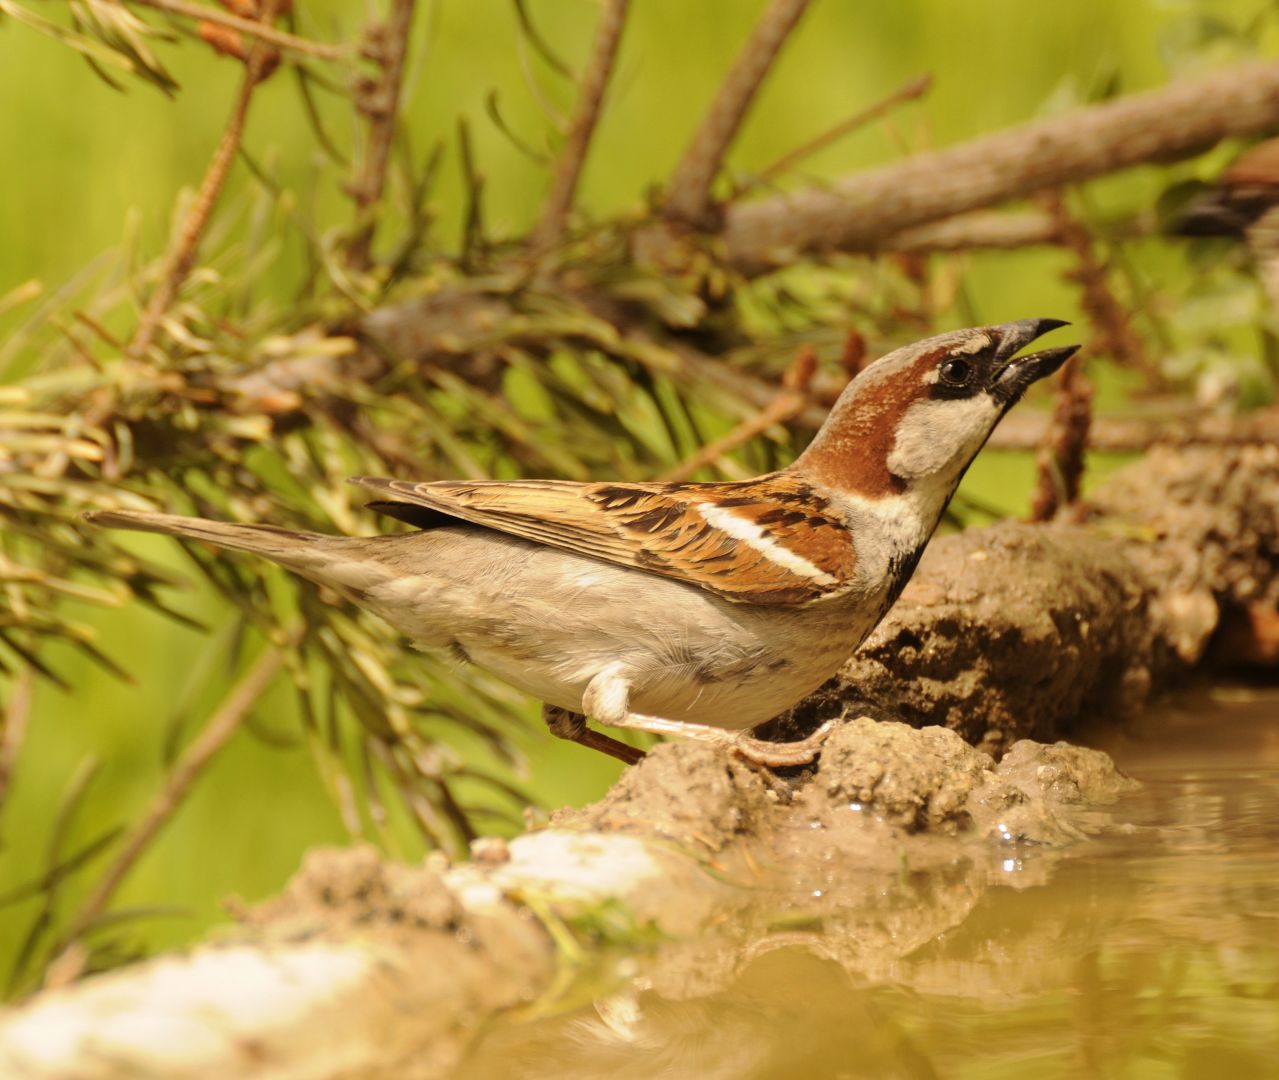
[(941, 436)]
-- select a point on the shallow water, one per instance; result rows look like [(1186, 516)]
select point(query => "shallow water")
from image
[(1151, 952)]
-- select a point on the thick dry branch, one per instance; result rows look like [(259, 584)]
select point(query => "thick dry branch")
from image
[(689, 196), (568, 169), (997, 229), (860, 212)]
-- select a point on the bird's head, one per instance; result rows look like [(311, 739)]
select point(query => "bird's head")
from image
[(915, 418)]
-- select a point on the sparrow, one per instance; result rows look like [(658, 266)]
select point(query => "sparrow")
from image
[(1243, 203), (692, 609)]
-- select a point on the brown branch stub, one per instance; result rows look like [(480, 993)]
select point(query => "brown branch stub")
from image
[(859, 212), (688, 199), (568, 169), (386, 44)]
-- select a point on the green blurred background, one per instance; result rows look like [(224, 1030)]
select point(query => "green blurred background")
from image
[(87, 168)]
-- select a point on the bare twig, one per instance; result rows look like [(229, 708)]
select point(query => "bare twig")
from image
[(860, 211), (379, 100), (789, 403), (568, 169), (1113, 334), (281, 39), (912, 91), (688, 198), (183, 252), (221, 726), (1060, 460), (16, 713)]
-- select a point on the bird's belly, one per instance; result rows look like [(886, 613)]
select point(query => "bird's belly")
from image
[(547, 622), (735, 670)]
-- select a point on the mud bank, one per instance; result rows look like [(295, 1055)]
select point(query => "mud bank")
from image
[(364, 968)]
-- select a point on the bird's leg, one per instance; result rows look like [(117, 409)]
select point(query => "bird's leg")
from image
[(607, 699), (572, 726)]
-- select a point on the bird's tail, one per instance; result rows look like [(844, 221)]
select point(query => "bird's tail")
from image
[(270, 541), (329, 560)]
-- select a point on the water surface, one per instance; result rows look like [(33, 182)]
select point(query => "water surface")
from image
[(1151, 952)]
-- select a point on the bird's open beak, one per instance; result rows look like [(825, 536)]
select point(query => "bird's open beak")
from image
[(1019, 372)]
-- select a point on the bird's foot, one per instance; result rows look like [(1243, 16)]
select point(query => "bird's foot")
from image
[(607, 698), (774, 755), (565, 724)]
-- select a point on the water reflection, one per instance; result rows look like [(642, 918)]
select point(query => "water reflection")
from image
[(1155, 952)]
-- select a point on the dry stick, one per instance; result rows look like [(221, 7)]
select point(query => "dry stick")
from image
[(279, 38), (380, 101), (1060, 461), (16, 714), (785, 406), (859, 212), (234, 709), (1110, 319), (914, 89), (594, 84), (688, 198), (182, 254)]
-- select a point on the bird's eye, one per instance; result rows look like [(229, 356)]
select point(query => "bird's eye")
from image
[(955, 372)]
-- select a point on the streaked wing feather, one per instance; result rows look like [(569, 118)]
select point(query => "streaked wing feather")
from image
[(770, 541)]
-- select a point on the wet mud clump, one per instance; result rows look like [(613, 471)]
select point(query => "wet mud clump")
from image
[(874, 780)]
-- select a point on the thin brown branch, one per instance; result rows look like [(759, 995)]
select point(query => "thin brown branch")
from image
[(279, 38), (568, 169), (17, 711), (788, 404), (911, 91), (859, 212), (689, 196), (224, 723), (1060, 462), (1111, 321), (186, 245), (379, 100)]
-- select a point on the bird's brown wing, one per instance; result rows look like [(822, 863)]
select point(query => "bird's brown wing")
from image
[(767, 541)]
